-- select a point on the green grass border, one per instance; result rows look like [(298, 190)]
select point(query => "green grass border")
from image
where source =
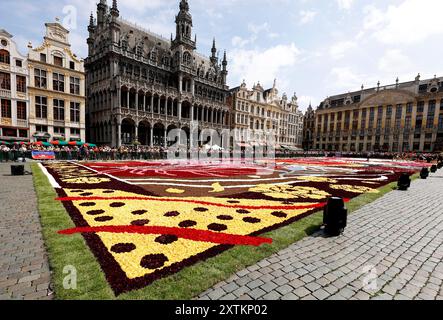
[(190, 282)]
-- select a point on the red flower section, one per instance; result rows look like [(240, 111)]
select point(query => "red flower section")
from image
[(190, 234), (169, 170)]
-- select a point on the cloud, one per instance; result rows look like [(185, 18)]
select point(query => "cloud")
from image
[(409, 23), (262, 65), (345, 79), (345, 4), (256, 31), (394, 62), (307, 16), (338, 50)]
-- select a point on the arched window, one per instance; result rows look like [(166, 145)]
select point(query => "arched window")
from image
[(187, 58), (5, 57), (166, 61), (57, 58)]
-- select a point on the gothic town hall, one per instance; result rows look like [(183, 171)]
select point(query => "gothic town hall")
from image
[(141, 86)]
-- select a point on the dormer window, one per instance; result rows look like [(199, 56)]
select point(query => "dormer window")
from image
[(58, 61), (4, 57)]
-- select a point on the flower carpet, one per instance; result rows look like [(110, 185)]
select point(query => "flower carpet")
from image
[(147, 220)]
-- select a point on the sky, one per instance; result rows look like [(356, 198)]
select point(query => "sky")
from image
[(314, 48)]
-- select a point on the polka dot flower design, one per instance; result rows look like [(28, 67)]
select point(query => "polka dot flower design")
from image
[(141, 233)]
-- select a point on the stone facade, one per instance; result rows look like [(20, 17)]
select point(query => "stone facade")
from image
[(308, 129), (56, 89), (14, 101), (141, 86), (259, 110), (396, 118)]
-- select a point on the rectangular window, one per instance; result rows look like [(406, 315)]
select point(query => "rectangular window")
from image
[(75, 112), (58, 82), (418, 122), (408, 122), (75, 85), (58, 61), (59, 130), (399, 111), (72, 65), (440, 122), (18, 63), (23, 133), (40, 78), (75, 132), (409, 108), (41, 107), (42, 57), (21, 84), (6, 109), (21, 110), (432, 105), (5, 81), (41, 129), (420, 107), (59, 110)]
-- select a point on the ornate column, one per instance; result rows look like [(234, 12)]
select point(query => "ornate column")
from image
[(192, 87), (114, 133), (119, 99), (144, 102), (151, 143), (119, 133), (136, 102), (180, 83), (192, 112), (152, 105), (136, 132), (179, 111), (166, 138), (127, 98)]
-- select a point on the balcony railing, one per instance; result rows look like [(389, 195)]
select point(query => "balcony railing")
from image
[(5, 93), (22, 123)]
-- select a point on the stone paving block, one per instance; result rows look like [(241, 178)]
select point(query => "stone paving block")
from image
[(271, 296), (404, 245), (301, 292), (216, 294), (256, 293), (254, 284)]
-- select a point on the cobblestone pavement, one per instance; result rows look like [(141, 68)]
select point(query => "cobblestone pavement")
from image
[(392, 249), (24, 269)]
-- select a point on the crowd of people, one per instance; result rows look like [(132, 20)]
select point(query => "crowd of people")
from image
[(23, 152)]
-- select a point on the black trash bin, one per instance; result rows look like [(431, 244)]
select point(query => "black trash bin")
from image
[(335, 216), (17, 170), (404, 182)]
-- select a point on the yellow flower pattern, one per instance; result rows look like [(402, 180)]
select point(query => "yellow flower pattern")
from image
[(290, 192), (353, 189)]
